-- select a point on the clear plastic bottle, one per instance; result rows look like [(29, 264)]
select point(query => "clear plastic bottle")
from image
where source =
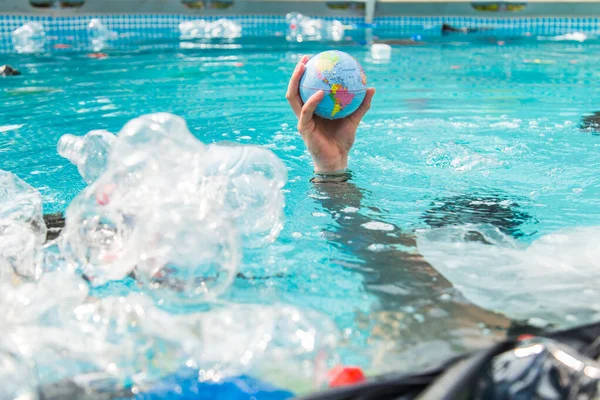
[(22, 227), (252, 194), (99, 34), (90, 153), (29, 38)]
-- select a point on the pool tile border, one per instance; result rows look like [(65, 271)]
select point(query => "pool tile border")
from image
[(133, 27)]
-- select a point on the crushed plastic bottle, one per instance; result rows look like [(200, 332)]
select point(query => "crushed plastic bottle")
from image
[(98, 239), (161, 139), (99, 34), (302, 28), (50, 300), (22, 227), (187, 259), (29, 38), (252, 195), (19, 251), (89, 153), (201, 29), (261, 338), (173, 211), (17, 380), (133, 339)]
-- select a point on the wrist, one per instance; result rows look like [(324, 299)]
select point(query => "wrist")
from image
[(331, 168), (332, 177)]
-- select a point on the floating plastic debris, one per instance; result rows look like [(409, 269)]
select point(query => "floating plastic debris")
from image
[(302, 28), (99, 35), (573, 36), (254, 177), (187, 258), (29, 38), (89, 153), (17, 377), (275, 335), (98, 238), (243, 182), (557, 275), (380, 51), (22, 228), (201, 29), (172, 212), (7, 70)]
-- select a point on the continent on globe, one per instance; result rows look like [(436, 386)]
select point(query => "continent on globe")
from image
[(341, 77), (341, 98)]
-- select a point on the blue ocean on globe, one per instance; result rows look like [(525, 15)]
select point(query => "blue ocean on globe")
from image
[(342, 79)]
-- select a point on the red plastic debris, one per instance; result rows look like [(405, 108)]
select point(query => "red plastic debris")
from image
[(99, 56), (62, 46), (103, 195), (525, 336), (344, 376)]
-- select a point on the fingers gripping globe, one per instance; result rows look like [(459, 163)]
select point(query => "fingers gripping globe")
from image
[(340, 77)]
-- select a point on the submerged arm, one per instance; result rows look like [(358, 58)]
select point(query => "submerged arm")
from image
[(397, 274)]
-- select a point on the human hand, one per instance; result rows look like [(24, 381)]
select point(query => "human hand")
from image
[(328, 141)]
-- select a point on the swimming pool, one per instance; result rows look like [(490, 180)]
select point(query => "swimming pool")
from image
[(482, 132)]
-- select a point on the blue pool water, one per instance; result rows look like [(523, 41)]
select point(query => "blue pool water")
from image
[(455, 123)]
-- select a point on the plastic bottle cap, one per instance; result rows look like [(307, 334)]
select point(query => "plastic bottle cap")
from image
[(344, 376), (525, 336)]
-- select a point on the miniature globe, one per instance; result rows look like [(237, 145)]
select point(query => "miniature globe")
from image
[(341, 77)]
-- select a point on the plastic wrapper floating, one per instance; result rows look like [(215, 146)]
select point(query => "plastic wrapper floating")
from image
[(175, 214), (555, 279)]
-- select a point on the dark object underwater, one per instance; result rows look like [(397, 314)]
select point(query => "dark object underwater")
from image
[(7, 70), (591, 122), (447, 29)]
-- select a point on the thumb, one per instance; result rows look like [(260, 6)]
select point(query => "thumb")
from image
[(308, 110)]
